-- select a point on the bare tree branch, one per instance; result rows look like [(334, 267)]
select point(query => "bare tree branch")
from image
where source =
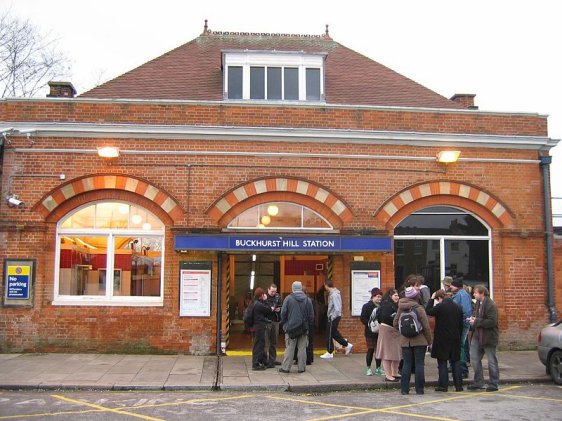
[(28, 58)]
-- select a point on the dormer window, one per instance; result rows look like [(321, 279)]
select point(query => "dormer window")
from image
[(273, 76)]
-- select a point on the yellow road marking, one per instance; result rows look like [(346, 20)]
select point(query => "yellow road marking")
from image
[(50, 414), (115, 411), (120, 410), (530, 397), (391, 409)]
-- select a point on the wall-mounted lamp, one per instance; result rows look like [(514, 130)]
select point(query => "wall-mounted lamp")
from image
[(448, 157), (28, 133), (108, 151), (14, 201), (4, 132)]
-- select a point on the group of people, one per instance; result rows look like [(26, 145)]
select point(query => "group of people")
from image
[(397, 354), (402, 354), (296, 313)]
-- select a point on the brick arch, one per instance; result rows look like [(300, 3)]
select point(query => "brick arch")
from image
[(280, 189), (109, 186), (465, 196)]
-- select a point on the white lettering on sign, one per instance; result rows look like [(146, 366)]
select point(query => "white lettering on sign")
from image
[(319, 243)]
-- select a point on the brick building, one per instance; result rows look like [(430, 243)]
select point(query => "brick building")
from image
[(250, 159)]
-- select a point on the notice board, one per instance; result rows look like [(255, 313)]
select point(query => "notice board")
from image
[(364, 277), (195, 289)]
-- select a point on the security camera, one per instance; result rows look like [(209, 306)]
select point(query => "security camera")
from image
[(13, 201)]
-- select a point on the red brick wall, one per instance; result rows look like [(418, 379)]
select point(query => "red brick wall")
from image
[(519, 279), (274, 116)]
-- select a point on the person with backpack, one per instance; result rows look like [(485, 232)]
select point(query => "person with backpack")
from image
[(297, 314), (255, 319), (415, 336), (369, 318)]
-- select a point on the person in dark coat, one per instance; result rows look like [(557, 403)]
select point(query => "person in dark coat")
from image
[(447, 338), (261, 312), (370, 337), (484, 340)]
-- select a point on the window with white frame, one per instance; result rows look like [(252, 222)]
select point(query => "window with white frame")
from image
[(441, 241), (104, 238), (273, 76)]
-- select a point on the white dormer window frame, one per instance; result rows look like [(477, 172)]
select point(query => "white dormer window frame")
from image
[(252, 69)]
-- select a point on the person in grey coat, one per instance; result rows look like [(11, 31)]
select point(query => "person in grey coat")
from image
[(447, 338), (296, 310), (334, 317)]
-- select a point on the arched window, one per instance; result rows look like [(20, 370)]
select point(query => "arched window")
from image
[(104, 238), (441, 241), (280, 216)]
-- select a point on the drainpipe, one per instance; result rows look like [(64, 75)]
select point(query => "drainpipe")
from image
[(545, 162), (219, 302)]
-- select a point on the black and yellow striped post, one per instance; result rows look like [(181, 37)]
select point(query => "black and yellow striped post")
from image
[(226, 337)]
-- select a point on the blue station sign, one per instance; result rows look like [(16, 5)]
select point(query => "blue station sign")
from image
[(282, 243)]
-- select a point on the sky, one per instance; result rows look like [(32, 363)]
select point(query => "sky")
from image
[(505, 52)]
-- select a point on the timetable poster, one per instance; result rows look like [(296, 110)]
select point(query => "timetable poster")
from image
[(362, 282), (195, 292)]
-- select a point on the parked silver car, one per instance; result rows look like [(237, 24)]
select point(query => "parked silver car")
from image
[(550, 350)]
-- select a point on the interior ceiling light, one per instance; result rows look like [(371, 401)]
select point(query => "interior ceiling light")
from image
[(108, 151), (266, 220), (272, 210), (448, 157), (146, 226), (136, 219)]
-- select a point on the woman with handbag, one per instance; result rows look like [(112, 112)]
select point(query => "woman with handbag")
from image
[(368, 312)]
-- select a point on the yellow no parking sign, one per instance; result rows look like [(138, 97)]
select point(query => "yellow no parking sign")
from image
[(18, 282)]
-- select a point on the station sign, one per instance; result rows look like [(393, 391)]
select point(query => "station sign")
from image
[(283, 243)]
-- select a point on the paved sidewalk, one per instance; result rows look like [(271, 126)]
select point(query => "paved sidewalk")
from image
[(184, 372)]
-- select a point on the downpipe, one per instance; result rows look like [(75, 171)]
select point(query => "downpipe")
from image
[(545, 162)]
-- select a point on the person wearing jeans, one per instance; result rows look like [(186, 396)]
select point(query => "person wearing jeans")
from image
[(462, 299), (413, 348), (484, 340), (413, 355)]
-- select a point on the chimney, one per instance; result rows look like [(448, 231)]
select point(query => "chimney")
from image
[(466, 100), (61, 90)]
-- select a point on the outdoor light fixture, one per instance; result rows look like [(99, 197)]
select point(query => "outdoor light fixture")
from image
[(448, 157), (108, 151), (14, 201)]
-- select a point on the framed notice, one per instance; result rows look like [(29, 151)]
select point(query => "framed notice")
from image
[(195, 289), (19, 280), (364, 277)]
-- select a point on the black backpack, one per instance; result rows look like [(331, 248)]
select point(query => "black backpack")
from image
[(409, 324), (249, 316)]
